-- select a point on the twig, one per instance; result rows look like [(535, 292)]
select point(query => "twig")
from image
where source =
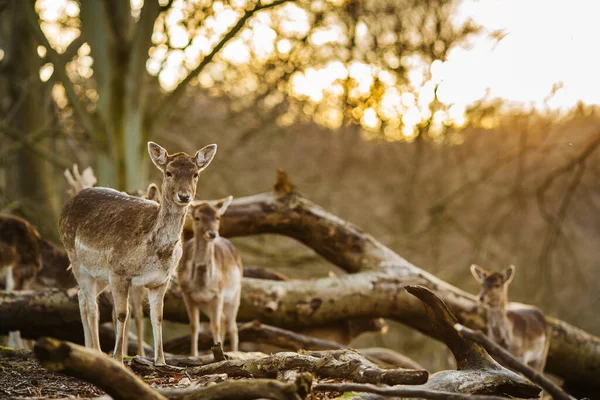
[(241, 389), (512, 362), (408, 392), (169, 101), (88, 121)]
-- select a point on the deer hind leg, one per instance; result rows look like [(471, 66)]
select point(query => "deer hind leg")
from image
[(230, 315), (119, 287), (136, 300), (14, 337), (156, 297)]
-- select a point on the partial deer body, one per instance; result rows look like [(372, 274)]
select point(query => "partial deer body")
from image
[(20, 258), (519, 328), (210, 275), (120, 241), (77, 182)]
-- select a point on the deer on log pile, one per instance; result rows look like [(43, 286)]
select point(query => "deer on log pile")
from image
[(210, 275), (521, 329), (20, 259), (113, 239)]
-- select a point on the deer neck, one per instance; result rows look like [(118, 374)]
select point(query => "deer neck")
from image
[(169, 224), (499, 325), (204, 255)]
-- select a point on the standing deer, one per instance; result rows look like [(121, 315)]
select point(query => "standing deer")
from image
[(210, 275), (77, 182), (20, 258), (120, 241), (519, 328)]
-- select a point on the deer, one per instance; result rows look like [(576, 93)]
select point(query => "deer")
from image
[(210, 275), (77, 182), (20, 259), (116, 240), (519, 328)]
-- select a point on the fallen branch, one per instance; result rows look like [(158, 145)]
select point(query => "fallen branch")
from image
[(409, 392), (241, 389), (352, 367), (507, 359), (94, 367)]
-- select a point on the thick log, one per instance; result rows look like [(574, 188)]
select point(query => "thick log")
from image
[(345, 364), (511, 362), (94, 367), (398, 391)]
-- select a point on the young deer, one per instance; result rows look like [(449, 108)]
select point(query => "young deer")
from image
[(521, 329), (210, 275), (120, 241), (77, 182), (20, 258)]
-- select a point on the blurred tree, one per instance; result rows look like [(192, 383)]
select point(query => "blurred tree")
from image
[(27, 119), (357, 56)]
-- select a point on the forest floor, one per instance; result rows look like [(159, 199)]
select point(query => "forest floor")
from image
[(23, 377)]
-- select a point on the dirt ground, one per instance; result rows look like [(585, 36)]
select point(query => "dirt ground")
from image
[(22, 377)]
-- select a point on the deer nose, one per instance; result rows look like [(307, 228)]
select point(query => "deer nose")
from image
[(212, 234), (481, 298), (184, 198)]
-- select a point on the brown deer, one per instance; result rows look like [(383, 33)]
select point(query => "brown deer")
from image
[(519, 328), (120, 241), (77, 182), (210, 275), (20, 259)]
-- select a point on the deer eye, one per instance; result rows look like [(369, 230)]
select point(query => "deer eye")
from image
[(169, 174), (197, 218), (196, 175)]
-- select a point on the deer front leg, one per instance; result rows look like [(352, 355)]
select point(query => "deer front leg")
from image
[(156, 297), (216, 319), (230, 315), (119, 286)]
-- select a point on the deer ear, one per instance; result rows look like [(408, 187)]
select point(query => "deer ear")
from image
[(158, 155), (223, 204), (508, 274), (478, 273), (204, 156), (152, 193)]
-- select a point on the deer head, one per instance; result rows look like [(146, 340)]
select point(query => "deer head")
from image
[(207, 217), (494, 285), (180, 172)]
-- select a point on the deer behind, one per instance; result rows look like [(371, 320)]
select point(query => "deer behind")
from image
[(20, 258), (122, 241), (521, 329), (210, 275)]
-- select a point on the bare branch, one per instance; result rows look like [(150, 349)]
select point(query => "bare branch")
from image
[(409, 392), (169, 102), (88, 121), (511, 362)]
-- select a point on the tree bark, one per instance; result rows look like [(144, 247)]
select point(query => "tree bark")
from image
[(343, 364), (94, 367)]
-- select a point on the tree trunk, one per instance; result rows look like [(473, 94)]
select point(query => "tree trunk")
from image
[(31, 183)]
